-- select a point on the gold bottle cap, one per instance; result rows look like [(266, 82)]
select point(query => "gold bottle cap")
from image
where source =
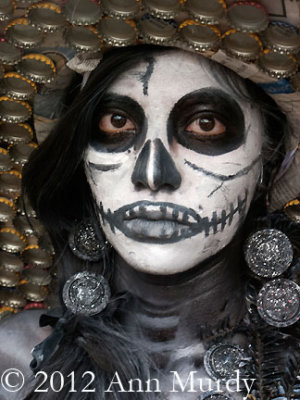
[(11, 240), (292, 210), (157, 31), (115, 32), (34, 255), (7, 210), (10, 184), (11, 262), (7, 8), (200, 37), (14, 111), (9, 54), (243, 45), (33, 292), (164, 9), (83, 38), (82, 12), (37, 67), (8, 278), (20, 152), (278, 65), (282, 37), (46, 17), (5, 161), (21, 34), (37, 275), (15, 133), (17, 87), (14, 299), (123, 9), (207, 12), (24, 207), (248, 16), (28, 226)]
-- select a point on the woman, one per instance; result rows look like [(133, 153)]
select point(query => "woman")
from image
[(169, 157)]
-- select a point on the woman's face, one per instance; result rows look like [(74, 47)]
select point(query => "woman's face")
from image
[(174, 165)]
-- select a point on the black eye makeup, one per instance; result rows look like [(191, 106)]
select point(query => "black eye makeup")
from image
[(118, 124), (207, 121)]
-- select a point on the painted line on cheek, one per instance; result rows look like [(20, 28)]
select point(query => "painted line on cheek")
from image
[(104, 167)]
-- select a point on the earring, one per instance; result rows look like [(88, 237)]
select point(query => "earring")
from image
[(86, 243)]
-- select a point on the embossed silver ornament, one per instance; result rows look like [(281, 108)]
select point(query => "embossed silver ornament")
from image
[(86, 293), (278, 302), (268, 253)]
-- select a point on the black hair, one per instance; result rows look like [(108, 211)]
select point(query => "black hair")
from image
[(55, 181)]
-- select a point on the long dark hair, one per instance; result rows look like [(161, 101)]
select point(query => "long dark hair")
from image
[(55, 182)]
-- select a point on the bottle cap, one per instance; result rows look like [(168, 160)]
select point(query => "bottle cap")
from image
[(23, 35), (157, 31), (28, 226), (83, 38), (243, 45), (115, 32), (37, 67), (7, 210), (10, 184), (5, 162), (15, 133), (46, 17), (13, 299), (282, 37), (24, 207), (8, 278), (6, 9), (14, 111), (278, 65), (200, 37), (207, 12), (248, 16), (82, 12), (11, 240), (37, 276), (123, 9), (17, 87), (292, 210), (164, 9), (11, 262), (9, 54), (33, 292), (34, 255), (20, 152), (46, 244)]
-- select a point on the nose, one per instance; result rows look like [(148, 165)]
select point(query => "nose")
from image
[(155, 168)]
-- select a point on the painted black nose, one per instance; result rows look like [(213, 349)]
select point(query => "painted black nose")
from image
[(155, 169)]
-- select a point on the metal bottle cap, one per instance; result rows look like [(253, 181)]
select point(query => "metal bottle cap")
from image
[(243, 45), (28, 226), (118, 33), (8, 278), (17, 87), (82, 12), (11, 240), (33, 292), (13, 299), (11, 262), (292, 208), (14, 111), (157, 31), (37, 276), (24, 207), (37, 67), (200, 37), (23, 35), (15, 133), (20, 152), (5, 161), (282, 37), (124, 9), (83, 38), (278, 65), (165, 9), (7, 210), (10, 184), (6, 9), (46, 17), (248, 16), (9, 54), (206, 12), (46, 244), (34, 255)]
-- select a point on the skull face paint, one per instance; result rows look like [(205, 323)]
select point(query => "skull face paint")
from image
[(173, 167)]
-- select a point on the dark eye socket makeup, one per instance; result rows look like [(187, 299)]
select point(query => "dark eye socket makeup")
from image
[(208, 121)]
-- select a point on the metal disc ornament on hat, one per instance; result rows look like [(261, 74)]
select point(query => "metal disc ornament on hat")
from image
[(20, 153), (14, 111), (278, 65), (222, 360), (10, 184), (82, 12), (83, 38), (11, 240), (164, 9), (7, 210), (200, 38), (21, 34), (6, 9), (8, 278), (86, 293), (14, 299), (17, 87), (278, 302), (156, 31), (5, 160), (206, 12), (115, 32), (46, 17), (84, 243), (34, 255), (24, 207), (9, 54), (242, 45), (268, 253), (15, 133), (123, 9), (37, 67), (37, 275), (11, 262), (282, 37), (248, 16), (33, 292)]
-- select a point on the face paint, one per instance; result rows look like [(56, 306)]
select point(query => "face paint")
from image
[(173, 168)]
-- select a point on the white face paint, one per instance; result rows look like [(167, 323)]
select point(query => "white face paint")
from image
[(175, 166)]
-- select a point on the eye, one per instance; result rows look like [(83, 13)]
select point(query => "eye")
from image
[(116, 123), (206, 126)]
